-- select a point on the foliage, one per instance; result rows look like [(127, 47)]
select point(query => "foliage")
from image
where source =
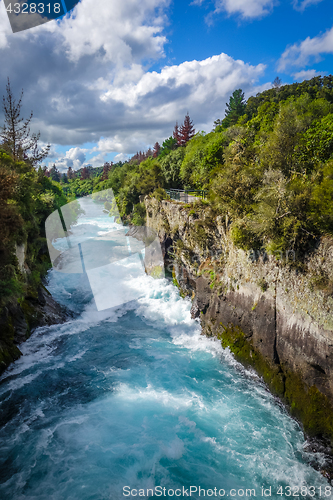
[(27, 198), (167, 146), (16, 136), (170, 166), (235, 108), (268, 167), (203, 153)]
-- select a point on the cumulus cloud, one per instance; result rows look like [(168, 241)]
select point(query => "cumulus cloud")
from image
[(75, 158), (120, 31), (300, 54), (306, 74), (157, 100), (96, 89), (120, 157)]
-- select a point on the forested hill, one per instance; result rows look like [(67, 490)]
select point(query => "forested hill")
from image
[(267, 165)]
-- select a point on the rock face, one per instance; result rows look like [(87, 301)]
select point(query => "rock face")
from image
[(18, 321), (270, 314)]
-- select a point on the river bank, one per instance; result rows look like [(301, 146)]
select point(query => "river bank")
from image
[(18, 321), (272, 316)]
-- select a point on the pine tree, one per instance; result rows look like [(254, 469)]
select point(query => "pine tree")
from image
[(70, 173), (276, 83), (156, 150), (54, 173), (235, 108), (106, 169), (85, 173), (15, 135), (187, 130), (176, 134)]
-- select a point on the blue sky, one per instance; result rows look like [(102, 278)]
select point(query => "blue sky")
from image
[(113, 76)]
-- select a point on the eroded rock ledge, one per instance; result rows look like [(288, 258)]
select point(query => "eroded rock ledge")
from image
[(272, 316), (18, 321)]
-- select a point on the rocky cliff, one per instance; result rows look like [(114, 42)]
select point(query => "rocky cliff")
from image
[(273, 314), (18, 320)]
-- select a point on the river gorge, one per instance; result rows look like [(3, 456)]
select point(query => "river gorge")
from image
[(136, 397)]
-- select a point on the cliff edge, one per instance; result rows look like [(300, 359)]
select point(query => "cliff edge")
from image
[(272, 313)]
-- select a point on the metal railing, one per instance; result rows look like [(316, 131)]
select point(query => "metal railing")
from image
[(186, 195)]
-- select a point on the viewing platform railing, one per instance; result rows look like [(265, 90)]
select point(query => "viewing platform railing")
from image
[(186, 195)]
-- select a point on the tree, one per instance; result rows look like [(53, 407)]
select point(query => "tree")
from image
[(156, 150), (64, 178), (54, 173), (167, 146), (16, 136), (170, 166), (187, 130), (106, 169), (235, 108), (176, 134), (276, 83), (85, 173), (70, 173)]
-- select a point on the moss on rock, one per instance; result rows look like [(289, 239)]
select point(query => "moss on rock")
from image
[(307, 404), (242, 347)]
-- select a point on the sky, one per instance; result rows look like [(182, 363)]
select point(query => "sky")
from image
[(112, 77)]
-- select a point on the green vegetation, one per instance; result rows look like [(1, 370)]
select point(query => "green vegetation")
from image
[(268, 166), (27, 198)]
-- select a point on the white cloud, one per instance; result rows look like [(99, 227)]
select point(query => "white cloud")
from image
[(75, 158), (120, 157), (121, 31), (306, 74), (246, 8), (86, 80), (5, 29), (301, 5), (157, 100), (311, 48)]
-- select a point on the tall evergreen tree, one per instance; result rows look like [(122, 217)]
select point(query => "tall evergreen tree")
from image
[(54, 173), (187, 130), (15, 135), (276, 83), (176, 134), (106, 169), (85, 173), (235, 108), (70, 173), (156, 150)]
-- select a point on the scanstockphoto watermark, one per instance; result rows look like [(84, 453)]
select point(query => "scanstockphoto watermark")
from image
[(26, 14), (190, 491), (279, 491), (253, 255), (86, 237), (212, 258)]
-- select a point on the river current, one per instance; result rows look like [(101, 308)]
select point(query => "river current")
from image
[(117, 402)]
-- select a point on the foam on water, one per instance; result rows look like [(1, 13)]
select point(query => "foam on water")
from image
[(134, 395)]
